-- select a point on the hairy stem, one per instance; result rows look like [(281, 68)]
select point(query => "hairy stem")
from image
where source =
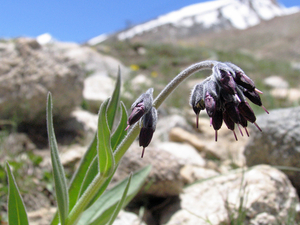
[(131, 136), (93, 188), (85, 199)]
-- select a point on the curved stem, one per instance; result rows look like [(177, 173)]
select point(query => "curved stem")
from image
[(171, 86), (129, 139), (180, 77)]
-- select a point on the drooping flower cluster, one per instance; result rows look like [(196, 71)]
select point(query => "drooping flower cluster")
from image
[(223, 96), (142, 109)]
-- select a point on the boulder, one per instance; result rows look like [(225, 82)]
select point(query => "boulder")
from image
[(185, 153), (262, 193), (97, 89), (276, 82), (279, 143), (28, 71), (164, 177), (127, 218)]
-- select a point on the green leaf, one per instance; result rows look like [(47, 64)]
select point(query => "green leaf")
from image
[(60, 182), (105, 154), (102, 210), (79, 176), (114, 102), (89, 176), (120, 132), (16, 209), (121, 202)]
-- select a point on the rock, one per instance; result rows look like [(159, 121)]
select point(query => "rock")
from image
[(165, 124), (84, 123), (140, 83), (226, 148), (180, 135), (16, 143), (127, 218), (96, 90), (262, 191), (191, 174), (28, 72), (292, 94), (279, 143), (42, 216), (164, 177), (276, 82), (185, 153), (94, 62)]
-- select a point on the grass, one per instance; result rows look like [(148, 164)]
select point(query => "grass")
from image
[(167, 60)]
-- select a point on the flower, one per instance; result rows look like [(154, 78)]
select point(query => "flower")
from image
[(142, 109), (148, 128), (223, 95), (142, 105)]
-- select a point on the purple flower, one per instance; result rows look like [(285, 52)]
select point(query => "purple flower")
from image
[(148, 128), (142, 109), (141, 106), (223, 95)]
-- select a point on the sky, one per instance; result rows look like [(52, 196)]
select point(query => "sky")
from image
[(79, 20)]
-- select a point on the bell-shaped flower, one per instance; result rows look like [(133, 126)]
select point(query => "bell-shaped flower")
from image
[(148, 127), (197, 99), (142, 105)]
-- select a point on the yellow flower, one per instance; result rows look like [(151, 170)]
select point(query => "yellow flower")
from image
[(154, 74), (134, 67)]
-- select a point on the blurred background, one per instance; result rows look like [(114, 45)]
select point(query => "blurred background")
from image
[(74, 50)]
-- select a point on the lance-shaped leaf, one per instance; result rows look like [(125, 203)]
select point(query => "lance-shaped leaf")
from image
[(89, 176), (16, 210), (102, 210), (58, 170), (114, 102), (79, 176), (105, 154), (120, 132), (121, 202)]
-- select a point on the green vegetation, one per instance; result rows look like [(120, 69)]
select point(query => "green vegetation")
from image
[(161, 62)]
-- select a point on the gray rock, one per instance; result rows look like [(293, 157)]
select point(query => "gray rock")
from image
[(27, 72), (185, 153), (164, 177), (165, 125), (83, 123), (15, 144), (279, 143), (261, 189), (93, 62), (276, 82), (97, 89), (127, 218)]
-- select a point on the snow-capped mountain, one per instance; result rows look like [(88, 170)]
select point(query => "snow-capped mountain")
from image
[(210, 16)]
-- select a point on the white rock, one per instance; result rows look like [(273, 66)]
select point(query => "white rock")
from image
[(186, 154), (276, 82), (127, 218), (263, 189), (97, 89)]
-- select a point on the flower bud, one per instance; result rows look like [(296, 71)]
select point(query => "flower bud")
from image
[(241, 78), (197, 99), (141, 106), (224, 76), (148, 128), (217, 120), (232, 111), (229, 123), (247, 112)]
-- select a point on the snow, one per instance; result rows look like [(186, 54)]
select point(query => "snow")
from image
[(44, 39), (239, 13), (98, 39)]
